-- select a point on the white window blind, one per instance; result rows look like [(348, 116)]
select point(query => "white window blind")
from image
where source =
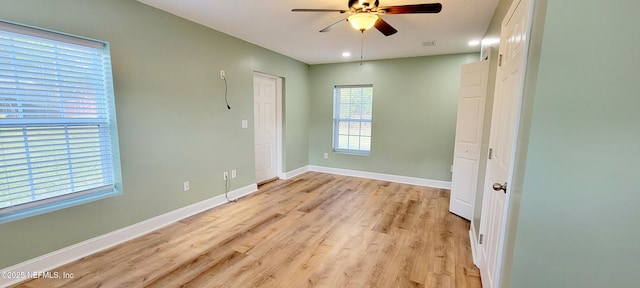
[(54, 118), (352, 115)]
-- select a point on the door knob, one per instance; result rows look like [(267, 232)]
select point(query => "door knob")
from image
[(498, 187)]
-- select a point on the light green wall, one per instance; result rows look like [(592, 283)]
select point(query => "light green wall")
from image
[(578, 205), (414, 114), (172, 120)]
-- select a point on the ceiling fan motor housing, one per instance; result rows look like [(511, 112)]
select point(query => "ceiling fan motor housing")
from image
[(365, 14), (357, 5)]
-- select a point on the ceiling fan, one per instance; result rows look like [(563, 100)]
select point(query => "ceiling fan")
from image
[(364, 14)]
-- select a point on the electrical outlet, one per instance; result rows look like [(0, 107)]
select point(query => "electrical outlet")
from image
[(326, 155), (225, 176), (186, 186), (233, 173), (222, 75)]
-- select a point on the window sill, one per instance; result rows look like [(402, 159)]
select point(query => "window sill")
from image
[(352, 152), (9, 216)]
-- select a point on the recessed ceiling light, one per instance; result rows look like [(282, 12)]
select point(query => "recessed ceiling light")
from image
[(474, 43), (490, 41), (346, 54)]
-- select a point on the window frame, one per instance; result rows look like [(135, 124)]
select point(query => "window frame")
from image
[(337, 103), (103, 130)]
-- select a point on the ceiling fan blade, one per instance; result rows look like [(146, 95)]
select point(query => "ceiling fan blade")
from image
[(384, 27), (319, 10), (415, 8), (330, 27)]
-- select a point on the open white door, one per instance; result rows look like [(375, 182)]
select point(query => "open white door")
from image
[(466, 155), (265, 127), (514, 41)]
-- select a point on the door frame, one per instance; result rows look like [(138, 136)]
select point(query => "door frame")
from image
[(279, 113)]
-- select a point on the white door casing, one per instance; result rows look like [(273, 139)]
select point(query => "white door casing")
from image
[(466, 155), (265, 127), (512, 55)]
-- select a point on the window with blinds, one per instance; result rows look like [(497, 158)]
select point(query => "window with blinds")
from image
[(55, 120), (352, 115)]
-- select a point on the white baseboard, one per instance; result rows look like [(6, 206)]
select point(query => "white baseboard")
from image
[(296, 172), (473, 242), (235, 194), (71, 253), (383, 177)]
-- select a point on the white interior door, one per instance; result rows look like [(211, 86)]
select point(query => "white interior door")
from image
[(265, 127), (466, 155), (506, 111)]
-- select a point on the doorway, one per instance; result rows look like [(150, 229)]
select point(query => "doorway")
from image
[(512, 57), (267, 100)]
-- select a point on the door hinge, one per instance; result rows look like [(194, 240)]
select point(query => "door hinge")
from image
[(500, 60), (480, 239), (490, 153)]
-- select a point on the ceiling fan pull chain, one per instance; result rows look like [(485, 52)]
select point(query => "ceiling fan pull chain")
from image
[(361, 46)]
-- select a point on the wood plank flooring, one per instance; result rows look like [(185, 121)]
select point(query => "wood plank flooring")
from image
[(315, 230)]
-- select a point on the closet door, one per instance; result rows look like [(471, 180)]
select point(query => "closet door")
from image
[(466, 156)]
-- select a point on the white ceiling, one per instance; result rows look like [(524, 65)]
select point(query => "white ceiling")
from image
[(272, 25)]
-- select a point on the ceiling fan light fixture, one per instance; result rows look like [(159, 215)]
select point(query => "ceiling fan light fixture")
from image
[(362, 21)]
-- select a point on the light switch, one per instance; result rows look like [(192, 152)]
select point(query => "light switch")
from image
[(245, 124)]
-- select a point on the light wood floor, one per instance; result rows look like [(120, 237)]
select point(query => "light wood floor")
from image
[(315, 230)]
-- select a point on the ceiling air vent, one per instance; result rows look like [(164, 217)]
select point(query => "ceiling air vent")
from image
[(429, 43)]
